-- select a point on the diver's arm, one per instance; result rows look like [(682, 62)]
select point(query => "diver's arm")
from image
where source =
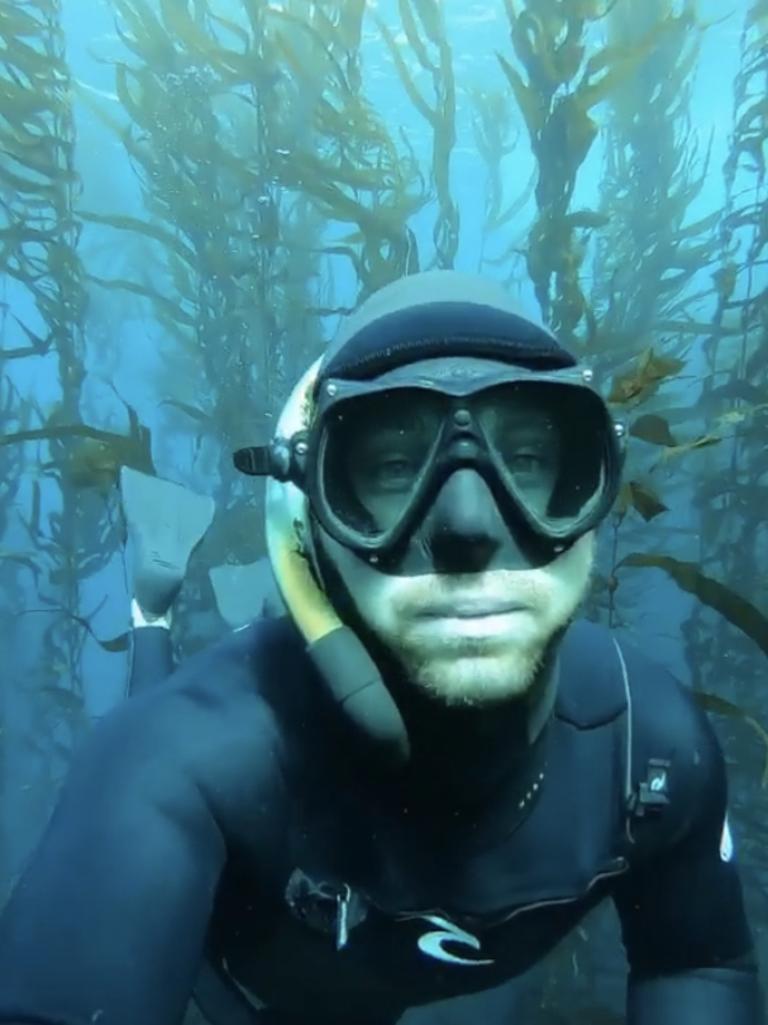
[(704, 917), (109, 918), (108, 922), (687, 939)]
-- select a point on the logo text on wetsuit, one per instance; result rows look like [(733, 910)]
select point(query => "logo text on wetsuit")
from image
[(726, 842), (432, 943)]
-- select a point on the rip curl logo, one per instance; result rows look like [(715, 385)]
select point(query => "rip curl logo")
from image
[(726, 842), (433, 943)]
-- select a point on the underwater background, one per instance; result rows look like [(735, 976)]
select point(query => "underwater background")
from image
[(193, 191)]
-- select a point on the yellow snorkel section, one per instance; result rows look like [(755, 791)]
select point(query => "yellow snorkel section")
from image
[(340, 657), (287, 529)]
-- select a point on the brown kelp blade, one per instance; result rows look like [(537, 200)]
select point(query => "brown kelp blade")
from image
[(721, 706), (687, 575), (654, 429), (642, 497), (644, 378)]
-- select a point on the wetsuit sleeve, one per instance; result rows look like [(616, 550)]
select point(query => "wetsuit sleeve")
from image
[(685, 932), (107, 923)]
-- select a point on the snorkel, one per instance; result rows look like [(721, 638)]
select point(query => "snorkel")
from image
[(342, 661)]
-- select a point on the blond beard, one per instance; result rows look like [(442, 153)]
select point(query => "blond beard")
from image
[(502, 661)]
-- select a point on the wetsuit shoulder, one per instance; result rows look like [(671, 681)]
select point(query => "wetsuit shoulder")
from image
[(607, 679), (669, 725), (213, 721), (681, 906), (590, 692)]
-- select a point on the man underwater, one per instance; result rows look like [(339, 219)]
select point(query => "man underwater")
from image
[(405, 792)]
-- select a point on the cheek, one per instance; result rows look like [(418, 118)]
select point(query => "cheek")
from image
[(572, 570), (361, 586), (366, 586), (376, 596), (584, 555), (577, 558)]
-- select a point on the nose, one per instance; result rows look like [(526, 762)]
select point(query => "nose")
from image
[(464, 528)]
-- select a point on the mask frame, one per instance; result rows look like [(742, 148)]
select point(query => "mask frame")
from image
[(461, 441)]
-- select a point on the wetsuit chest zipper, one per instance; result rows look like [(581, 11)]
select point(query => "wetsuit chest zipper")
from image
[(621, 866)]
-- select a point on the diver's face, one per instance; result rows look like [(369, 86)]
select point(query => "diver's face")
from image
[(469, 637), (475, 599)]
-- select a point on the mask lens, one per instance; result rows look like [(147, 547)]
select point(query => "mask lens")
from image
[(546, 446), (525, 439), (548, 442), (376, 451)]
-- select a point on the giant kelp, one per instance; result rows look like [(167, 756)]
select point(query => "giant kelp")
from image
[(648, 255), (37, 180), (40, 266), (736, 357), (195, 90), (652, 180), (729, 497), (347, 161), (424, 27), (636, 326), (36, 171), (496, 140), (38, 189), (562, 78), (272, 107), (712, 408), (259, 160), (654, 174)]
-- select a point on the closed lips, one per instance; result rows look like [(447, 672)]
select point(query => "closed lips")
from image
[(468, 609)]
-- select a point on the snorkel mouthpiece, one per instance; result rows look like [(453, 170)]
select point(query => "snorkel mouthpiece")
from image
[(359, 690)]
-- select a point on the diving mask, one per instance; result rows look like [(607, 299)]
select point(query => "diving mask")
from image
[(378, 451)]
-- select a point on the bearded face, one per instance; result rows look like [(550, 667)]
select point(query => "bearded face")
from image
[(469, 638)]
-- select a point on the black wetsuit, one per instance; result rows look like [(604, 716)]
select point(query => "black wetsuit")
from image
[(224, 809)]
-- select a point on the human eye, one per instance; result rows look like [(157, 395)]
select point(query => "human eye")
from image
[(527, 462), (391, 471)]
